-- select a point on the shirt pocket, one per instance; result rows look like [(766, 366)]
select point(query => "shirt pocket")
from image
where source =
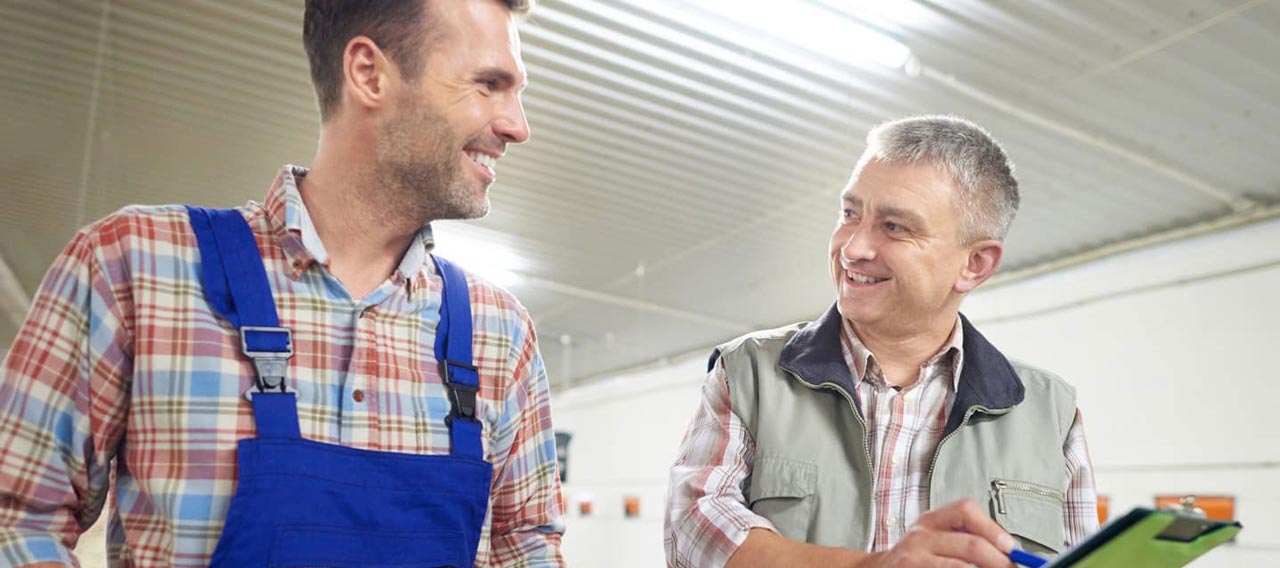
[(782, 492), (1031, 512)]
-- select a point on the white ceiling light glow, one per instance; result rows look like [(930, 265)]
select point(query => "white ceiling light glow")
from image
[(488, 259), (815, 27)]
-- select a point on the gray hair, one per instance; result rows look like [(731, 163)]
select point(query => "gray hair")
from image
[(965, 151)]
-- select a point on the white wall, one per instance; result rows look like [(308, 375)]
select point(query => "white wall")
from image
[(625, 435), (1173, 349)]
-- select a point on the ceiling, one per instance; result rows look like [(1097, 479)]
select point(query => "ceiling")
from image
[(681, 183)]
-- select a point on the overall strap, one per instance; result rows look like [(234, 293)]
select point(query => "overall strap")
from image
[(453, 351), (235, 284)]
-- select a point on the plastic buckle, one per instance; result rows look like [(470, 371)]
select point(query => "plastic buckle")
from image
[(461, 396), (269, 365)]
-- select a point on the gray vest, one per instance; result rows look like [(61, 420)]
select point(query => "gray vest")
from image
[(812, 477)]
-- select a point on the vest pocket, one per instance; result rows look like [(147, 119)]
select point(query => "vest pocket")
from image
[(782, 491), (1031, 512), (338, 547)]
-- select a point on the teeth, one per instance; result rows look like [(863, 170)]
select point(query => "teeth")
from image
[(860, 279), (484, 160)]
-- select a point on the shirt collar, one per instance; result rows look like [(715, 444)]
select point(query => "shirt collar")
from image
[(861, 359), (988, 382), (292, 225)]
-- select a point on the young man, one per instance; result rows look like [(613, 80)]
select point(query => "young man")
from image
[(299, 382), (888, 432)]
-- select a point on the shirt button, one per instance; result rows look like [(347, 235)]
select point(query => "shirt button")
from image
[(357, 395), (889, 522), (895, 459)]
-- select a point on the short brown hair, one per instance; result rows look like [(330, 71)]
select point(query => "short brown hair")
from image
[(398, 27)]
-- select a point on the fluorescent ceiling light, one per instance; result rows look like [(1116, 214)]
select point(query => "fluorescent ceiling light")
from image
[(487, 259), (890, 15), (815, 27)]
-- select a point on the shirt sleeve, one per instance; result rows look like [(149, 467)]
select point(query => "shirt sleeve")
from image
[(1080, 513), (527, 507), (63, 396), (707, 516)]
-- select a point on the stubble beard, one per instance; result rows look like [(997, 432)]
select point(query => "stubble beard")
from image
[(419, 174)]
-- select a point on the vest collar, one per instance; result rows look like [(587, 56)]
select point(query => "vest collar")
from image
[(987, 379)]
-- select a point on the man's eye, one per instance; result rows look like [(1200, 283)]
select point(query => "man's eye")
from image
[(893, 227)]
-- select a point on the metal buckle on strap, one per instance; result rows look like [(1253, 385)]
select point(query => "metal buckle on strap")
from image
[(269, 365), (462, 397)]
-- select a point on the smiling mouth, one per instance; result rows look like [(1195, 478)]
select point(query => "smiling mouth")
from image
[(863, 279), (485, 161)]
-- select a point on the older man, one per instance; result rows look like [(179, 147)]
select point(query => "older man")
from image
[(888, 432), (300, 382)]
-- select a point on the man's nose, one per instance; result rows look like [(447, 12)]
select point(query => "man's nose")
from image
[(512, 125), (859, 245)]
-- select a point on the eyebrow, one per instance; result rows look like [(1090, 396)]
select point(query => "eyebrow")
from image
[(909, 216)]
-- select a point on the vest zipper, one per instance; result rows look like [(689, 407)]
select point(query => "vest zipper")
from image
[(938, 451), (866, 448), (1002, 485)]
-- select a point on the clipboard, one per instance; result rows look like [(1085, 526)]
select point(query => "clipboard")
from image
[(1149, 538)]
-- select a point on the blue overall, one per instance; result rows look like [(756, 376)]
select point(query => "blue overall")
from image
[(301, 503)]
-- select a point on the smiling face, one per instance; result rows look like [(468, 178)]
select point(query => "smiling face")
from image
[(439, 145), (897, 259)]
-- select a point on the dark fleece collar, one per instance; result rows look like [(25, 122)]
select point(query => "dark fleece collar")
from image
[(987, 380)]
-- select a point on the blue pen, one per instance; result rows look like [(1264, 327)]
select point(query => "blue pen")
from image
[(1026, 559)]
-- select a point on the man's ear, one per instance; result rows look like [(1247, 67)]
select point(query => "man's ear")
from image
[(366, 74), (982, 262)]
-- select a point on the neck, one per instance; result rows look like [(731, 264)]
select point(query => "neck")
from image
[(364, 240), (900, 353)]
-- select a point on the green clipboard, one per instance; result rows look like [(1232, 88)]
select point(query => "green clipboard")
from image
[(1149, 538)]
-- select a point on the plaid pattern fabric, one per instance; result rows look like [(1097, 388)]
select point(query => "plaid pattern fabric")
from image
[(1080, 511), (707, 516), (904, 426), (122, 371)]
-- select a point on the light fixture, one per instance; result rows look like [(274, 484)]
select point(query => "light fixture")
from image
[(816, 27)]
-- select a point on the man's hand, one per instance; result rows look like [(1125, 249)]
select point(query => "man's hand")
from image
[(958, 535)]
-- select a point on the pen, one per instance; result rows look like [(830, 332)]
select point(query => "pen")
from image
[(1026, 559)]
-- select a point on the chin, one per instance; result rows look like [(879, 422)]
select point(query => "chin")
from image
[(480, 208), (854, 312)]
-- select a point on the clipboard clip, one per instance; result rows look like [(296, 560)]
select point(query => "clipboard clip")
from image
[(1190, 524), (1187, 506)]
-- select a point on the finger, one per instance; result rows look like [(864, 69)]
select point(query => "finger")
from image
[(967, 516), (968, 548)]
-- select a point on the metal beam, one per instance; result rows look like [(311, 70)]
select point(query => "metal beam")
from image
[(631, 303), (1187, 179), (1253, 215), (1161, 44)]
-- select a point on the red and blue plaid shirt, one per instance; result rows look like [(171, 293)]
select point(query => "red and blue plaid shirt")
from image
[(122, 371)]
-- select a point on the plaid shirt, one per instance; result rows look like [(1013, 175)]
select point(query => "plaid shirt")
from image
[(904, 425), (121, 361)]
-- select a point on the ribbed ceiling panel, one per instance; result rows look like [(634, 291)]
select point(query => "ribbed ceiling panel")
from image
[(681, 183)]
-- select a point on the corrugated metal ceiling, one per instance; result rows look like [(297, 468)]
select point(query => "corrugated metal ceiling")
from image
[(681, 183)]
